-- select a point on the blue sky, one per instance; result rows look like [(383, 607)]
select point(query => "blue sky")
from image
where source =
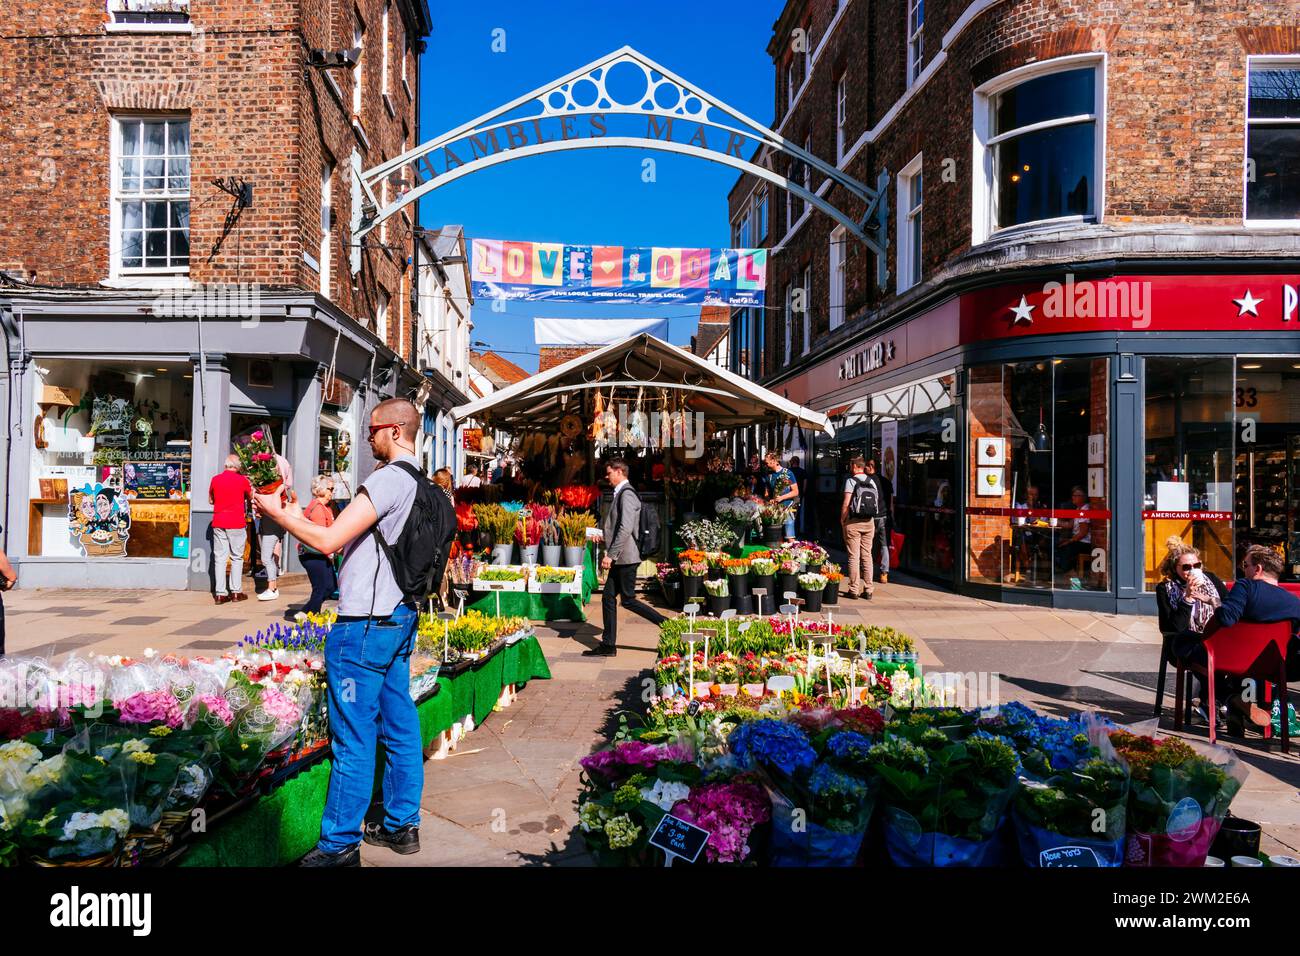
[(588, 196)]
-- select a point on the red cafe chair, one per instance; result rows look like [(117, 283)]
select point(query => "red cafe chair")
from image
[(1244, 650)]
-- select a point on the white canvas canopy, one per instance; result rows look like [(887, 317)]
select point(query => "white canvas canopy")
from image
[(641, 362)]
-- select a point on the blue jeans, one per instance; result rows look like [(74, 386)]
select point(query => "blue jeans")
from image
[(369, 683), (789, 525)]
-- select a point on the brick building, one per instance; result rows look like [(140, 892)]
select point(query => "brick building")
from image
[(1089, 281), (176, 261)]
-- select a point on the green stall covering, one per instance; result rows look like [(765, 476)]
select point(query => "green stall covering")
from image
[(283, 825), (544, 607)]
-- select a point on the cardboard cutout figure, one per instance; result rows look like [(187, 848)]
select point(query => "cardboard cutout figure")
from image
[(99, 517)]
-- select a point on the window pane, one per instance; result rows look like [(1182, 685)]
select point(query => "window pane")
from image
[(132, 249), (180, 247), (915, 191), (1275, 154), (1029, 423), (916, 249), (154, 168), (130, 138), (178, 175), (180, 215), (178, 132), (154, 138), (1070, 93), (1275, 94), (155, 249), (1081, 473), (132, 215), (1267, 470), (1189, 411), (1045, 174), (130, 176), (155, 215)]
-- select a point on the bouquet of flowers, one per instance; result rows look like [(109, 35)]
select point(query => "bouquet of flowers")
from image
[(753, 670), (573, 527), (548, 575), (774, 513), (725, 670), (791, 566), (812, 582), (668, 671), (578, 497), (528, 531), (729, 811), (500, 574), (463, 569), (762, 567), (944, 799), (257, 462), (550, 532), (466, 520), (1178, 799), (708, 535), (627, 789), (717, 588), (693, 569), (683, 487)]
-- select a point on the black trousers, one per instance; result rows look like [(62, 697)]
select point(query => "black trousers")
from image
[(320, 571), (621, 584)]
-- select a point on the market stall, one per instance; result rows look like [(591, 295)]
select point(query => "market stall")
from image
[(667, 412)]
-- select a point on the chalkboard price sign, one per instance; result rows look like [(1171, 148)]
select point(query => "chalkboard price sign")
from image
[(676, 837)]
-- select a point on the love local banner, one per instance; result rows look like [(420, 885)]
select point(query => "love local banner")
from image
[(533, 271)]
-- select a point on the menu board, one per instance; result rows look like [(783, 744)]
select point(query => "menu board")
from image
[(155, 479)]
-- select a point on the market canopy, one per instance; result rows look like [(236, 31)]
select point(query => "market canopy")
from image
[(641, 362)]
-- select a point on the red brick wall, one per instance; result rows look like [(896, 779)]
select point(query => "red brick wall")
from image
[(240, 77), (1176, 77), (553, 355)]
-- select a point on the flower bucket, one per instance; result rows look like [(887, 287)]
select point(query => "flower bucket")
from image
[(718, 604), (766, 582), (812, 600), (784, 582), (501, 553), (552, 555), (743, 603), (672, 594), (812, 567), (831, 593), (573, 556), (692, 586), (773, 533), (738, 584), (715, 574), (528, 553)]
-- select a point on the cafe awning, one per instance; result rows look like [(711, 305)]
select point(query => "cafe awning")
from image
[(646, 363)]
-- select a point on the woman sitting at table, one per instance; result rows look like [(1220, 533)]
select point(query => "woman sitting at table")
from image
[(1186, 600)]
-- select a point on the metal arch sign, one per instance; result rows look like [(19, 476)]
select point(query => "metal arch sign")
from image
[(623, 100)]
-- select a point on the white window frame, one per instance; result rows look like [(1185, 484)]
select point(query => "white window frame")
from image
[(910, 218), (383, 204), (837, 272), (1262, 62), (116, 198), (326, 227), (807, 310), (762, 214), (381, 315), (808, 50), (915, 41), (790, 92), (383, 55), (358, 68), (983, 193), (117, 8), (789, 323), (841, 116)]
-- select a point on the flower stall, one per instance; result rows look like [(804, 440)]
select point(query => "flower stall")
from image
[(110, 761)]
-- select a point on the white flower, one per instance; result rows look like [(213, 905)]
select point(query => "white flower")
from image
[(17, 757), (117, 819), (666, 794), (135, 746), (45, 772), (149, 652), (80, 821)]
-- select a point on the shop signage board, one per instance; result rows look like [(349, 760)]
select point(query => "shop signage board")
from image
[(154, 479), (537, 271)]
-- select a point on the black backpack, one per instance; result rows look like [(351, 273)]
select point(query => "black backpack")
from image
[(865, 502), (647, 532), (414, 555)]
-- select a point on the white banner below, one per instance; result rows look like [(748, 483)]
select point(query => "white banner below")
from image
[(595, 331)]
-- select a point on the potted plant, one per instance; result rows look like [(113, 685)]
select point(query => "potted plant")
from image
[(831, 594), (762, 574), (753, 675), (737, 576), (693, 573), (719, 598), (811, 587), (668, 675), (500, 524), (703, 676), (726, 675), (787, 579), (573, 535), (670, 583), (528, 535), (257, 456), (773, 517), (814, 556), (552, 552)]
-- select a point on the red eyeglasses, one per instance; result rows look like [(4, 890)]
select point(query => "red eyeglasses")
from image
[(376, 429)]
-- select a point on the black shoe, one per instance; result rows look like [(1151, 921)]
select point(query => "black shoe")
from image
[(318, 857), (866, 596), (600, 650), (403, 840)]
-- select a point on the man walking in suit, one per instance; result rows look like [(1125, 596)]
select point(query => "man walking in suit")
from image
[(621, 559)]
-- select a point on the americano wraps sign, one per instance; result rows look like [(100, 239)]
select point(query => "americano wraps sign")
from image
[(534, 271)]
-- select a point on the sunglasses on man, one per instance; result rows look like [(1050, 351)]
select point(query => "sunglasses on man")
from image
[(376, 429)]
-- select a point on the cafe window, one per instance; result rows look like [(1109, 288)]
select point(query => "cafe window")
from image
[(1273, 142), (111, 469), (1266, 460), (1040, 143), (1038, 506)]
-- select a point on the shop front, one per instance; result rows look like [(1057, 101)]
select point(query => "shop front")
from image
[(1043, 451)]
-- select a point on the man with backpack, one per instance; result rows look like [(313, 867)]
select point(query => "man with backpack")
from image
[(862, 499), (629, 531), (388, 536)]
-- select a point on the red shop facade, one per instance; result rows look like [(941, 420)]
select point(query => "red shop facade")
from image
[(1045, 438)]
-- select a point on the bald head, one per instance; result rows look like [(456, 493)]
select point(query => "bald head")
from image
[(232, 462), (392, 410)]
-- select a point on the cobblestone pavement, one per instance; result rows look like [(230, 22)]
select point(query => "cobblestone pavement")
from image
[(506, 795)]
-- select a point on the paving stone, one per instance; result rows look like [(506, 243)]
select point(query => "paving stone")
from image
[(137, 621)]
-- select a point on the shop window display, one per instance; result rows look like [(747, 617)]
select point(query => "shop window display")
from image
[(110, 475), (1266, 463), (1039, 475)]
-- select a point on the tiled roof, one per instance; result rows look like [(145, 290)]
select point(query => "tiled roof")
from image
[(495, 365)]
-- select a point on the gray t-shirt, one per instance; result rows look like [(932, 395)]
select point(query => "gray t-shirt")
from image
[(365, 574)]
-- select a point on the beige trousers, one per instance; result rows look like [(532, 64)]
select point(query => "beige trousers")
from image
[(858, 537)]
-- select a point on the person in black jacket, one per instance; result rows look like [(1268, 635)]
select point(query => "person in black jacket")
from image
[(1187, 600), (447, 524)]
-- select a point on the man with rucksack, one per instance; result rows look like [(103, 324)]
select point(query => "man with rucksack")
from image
[(388, 536), (862, 499), (627, 531), (884, 519)]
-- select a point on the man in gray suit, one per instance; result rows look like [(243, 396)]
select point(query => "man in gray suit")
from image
[(621, 559)]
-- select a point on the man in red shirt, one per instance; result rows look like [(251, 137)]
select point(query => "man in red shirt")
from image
[(229, 493)]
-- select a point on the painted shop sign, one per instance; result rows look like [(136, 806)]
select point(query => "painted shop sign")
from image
[(870, 359)]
